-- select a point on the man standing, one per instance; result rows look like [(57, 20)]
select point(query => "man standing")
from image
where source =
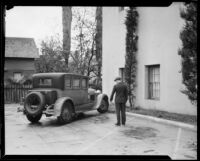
[(121, 95)]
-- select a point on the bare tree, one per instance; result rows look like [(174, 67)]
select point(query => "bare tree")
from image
[(66, 20), (51, 58), (84, 40)]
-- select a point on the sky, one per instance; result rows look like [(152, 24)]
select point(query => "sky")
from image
[(34, 22), (39, 22)]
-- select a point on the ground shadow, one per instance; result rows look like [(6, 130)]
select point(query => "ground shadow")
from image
[(49, 121), (98, 118), (140, 132)]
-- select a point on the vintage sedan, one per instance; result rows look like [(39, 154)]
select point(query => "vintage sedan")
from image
[(62, 95)]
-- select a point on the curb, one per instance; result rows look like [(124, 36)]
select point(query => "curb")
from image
[(164, 121)]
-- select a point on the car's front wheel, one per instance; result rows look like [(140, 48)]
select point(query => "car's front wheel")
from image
[(103, 107), (66, 115)]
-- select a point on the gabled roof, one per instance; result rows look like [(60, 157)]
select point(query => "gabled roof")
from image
[(20, 48)]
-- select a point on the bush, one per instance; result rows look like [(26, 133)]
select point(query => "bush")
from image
[(188, 52)]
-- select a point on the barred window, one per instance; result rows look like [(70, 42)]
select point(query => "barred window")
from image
[(154, 82)]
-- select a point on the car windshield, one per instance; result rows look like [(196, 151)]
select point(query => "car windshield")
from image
[(45, 82)]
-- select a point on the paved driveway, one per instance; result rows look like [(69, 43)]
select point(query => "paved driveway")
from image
[(96, 134)]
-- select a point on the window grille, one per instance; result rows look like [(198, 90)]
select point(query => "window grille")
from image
[(154, 82)]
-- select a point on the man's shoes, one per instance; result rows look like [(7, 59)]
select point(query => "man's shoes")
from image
[(117, 124)]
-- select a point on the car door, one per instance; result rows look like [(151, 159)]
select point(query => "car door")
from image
[(77, 93), (72, 88), (84, 87)]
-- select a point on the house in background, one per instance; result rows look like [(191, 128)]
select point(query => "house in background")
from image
[(159, 81), (20, 54)]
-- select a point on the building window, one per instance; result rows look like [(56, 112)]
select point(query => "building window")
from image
[(121, 9), (122, 73), (153, 82), (17, 76)]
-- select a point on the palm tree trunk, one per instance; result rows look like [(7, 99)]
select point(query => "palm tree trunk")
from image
[(66, 21), (98, 39)]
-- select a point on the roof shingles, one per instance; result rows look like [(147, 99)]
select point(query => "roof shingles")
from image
[(20, 48)]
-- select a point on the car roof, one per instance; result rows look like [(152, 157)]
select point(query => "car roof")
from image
[(57, 75)]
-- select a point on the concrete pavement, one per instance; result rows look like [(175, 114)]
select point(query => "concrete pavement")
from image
[(96, 134), (164, 121), (160, 120)]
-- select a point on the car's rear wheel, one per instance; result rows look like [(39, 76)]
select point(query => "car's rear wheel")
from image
[(34, 119), (103, 107), (66, 115), (33, 106)]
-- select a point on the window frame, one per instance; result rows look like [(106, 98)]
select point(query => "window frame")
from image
[(17, 73), (153, 86)]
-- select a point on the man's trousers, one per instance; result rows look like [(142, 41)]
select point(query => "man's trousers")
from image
[(121, 110)]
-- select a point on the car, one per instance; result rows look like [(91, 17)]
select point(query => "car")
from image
[(62, 95)]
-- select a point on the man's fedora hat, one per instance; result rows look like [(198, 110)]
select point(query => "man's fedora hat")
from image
[(117, 78)]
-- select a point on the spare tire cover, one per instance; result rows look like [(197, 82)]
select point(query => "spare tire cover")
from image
[(34, 103)]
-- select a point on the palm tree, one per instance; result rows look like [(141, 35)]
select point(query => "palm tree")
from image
[(66, 21), (98, 39)]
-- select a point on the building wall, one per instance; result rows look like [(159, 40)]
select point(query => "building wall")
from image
[(26, 66), (113, 46), (158, 43)]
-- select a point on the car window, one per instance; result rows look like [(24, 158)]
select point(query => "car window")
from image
[(67, 82), (76, 83), (84, 83), (45, 82)]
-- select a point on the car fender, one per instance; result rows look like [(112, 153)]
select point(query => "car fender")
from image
[(100, 97), (59, 103)]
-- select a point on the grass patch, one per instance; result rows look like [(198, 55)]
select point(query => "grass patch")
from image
[(190, 119)]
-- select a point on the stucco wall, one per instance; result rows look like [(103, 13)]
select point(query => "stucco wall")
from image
[(158, 43), (113, 46)]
